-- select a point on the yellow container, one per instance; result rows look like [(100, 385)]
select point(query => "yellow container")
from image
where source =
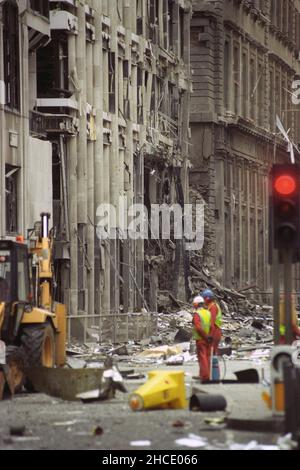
[(162, 390)]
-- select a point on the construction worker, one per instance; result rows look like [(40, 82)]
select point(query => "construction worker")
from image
[(216, 317), (202, 335)]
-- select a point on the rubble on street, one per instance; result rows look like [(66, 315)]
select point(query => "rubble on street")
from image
[(247, 330)]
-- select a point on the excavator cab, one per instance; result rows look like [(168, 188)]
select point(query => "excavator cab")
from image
[(14, 272)]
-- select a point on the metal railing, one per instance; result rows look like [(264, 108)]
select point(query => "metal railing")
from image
[(115, 327), (46, 123), (36, 123)]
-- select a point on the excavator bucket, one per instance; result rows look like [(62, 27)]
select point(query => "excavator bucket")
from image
[(64, 383)]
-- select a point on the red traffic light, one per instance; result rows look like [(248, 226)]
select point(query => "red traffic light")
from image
[(285, 185)]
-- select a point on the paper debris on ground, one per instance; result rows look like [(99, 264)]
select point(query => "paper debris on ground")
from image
[(286, 442), (253, 445), (66, 423), (24, 438), (192, 440), (140, 443), (161, 352)]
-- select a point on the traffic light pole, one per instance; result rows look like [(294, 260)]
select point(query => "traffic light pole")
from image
[(287, 262), (276, 296)]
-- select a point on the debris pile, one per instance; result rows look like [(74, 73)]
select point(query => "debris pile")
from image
[(246, 335)]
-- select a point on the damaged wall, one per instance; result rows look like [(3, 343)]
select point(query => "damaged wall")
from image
[(39, 180), (25, 164), (110, 91)]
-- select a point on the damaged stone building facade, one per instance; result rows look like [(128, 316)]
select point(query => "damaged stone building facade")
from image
[(94, 107), (244, 59)]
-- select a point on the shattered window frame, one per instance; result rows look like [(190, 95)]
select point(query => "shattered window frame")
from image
[(11, 54)]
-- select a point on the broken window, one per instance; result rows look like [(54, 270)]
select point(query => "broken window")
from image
[(52, 68), (140, 83), (153, 20), (292, 14), (170, 24), (11, 54), (41, 6), (112, 81), (252, 88), (277, 93), (285, 18), (139, 17), (226, 75), (236, 76), (272, 101), (82, 250), (244, 84), (165, 24), (261, 94), (273, 12), (181, 32), (11, 198), (279, 14), (126, 89)]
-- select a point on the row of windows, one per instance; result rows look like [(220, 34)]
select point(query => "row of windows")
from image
[(284, 17), (245, 75), (244, 87), (160, 15), (52, 61)]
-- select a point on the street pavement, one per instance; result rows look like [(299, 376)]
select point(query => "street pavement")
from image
[(51, 423)]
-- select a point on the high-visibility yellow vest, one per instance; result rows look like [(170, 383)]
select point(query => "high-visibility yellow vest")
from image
[(205, 317), (282, 328), (218, 321)]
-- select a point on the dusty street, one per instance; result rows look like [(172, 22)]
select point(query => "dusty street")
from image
[(55, 424)]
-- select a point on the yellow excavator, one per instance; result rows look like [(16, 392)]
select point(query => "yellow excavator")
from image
[(32, 325)]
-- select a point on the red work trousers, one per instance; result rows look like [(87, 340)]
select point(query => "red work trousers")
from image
[(203, 353), (217, 335)]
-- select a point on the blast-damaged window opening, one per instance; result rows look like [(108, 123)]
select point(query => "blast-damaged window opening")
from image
[(261, 94), (272, 101), (153, 20), (170, 26), (112, 81), (165, 24), (181, 33), (252, 89), (11, 54), (139, 17), (236, 77), (52, 68), (126, 89), (41, 6), (140, 85), (226, 75), (11, 198), (279, 14), (244, 84)]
